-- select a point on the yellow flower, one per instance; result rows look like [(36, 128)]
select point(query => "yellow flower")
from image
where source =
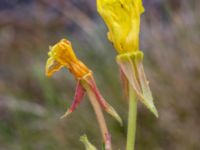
[(123, 20), (62, 55)]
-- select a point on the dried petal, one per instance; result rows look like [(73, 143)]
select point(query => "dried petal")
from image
[(62, 54)]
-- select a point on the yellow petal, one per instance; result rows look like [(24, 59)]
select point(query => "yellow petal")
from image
[(62, 54), (52, 66), (123, 20)]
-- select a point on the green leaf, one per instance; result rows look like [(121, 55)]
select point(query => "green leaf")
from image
[(86, 142)]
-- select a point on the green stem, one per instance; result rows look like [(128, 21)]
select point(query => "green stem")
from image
[(132, 117)]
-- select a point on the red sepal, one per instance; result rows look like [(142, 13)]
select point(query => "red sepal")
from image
[(79, 93)]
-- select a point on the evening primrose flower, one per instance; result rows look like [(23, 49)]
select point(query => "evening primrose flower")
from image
[(122, 18), (62, 55)]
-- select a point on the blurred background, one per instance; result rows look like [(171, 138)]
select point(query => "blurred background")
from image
[(31, 104)]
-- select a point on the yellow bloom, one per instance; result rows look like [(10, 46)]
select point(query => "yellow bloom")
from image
[(123, 20), (62, 55)]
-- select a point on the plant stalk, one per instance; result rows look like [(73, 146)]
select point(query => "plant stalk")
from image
[(100, 119), (132, 118)]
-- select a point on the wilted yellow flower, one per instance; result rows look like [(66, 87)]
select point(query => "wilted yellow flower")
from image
[(62, 55), (122, 18)]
